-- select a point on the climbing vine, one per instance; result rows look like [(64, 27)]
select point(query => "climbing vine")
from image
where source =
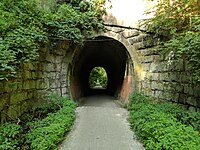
[(24, 24), (179, 22)]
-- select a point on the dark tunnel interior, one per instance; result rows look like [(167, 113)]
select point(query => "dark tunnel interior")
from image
[(104, 52)]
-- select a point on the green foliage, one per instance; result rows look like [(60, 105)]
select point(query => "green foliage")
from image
[(24, 24), (46, 133), (158, 125), (10, 136), (20, 34), (172, 17), (98, 74), (42, 134), (179, 21), (186, 46), (51, 103)]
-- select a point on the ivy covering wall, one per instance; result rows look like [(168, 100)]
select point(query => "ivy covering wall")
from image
[(25, 24), (179, 22)]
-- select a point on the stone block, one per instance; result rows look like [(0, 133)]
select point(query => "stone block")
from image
[(178, 66), (153, 67), (149, 52), (182, 98), (46, 83), (10, 86), (147, 85), (13, 112), (30, 95), (30, 66), (188, 89), (24, 107), (4, 100), (55, 84), (156, 86), (160, 67), (174, 76), (166, 96), (40, 75), (64, 91), (27, 74), (157, 94), (49, 67), (58, 59), (17, 97), (191, 101), (64, 69), (62, 47), (175, 97), (196, 91), (42, 84), (179, 88), (29, 84), (49, 58), (2, 87), (184, 77), (33, 75), (39, 84), (139, 45), (192, 108), (156, 76), (130, 34), (198, 101), (41, 66), (3, 117), (149, 43), (148, 59), (134, 40), (166, 86), (165, 77)]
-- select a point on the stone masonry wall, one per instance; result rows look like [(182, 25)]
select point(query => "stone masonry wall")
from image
[(162, 77), (155, 75), (34, 80)]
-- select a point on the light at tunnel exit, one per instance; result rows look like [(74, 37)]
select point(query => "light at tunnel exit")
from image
[(98, 77)]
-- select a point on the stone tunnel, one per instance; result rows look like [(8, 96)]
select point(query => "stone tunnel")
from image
[(105, 52), (128, 54)]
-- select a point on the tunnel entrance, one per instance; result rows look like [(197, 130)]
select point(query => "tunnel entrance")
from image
[(107, 53)]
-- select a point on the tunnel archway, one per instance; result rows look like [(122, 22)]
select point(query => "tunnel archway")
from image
[(102, 51)]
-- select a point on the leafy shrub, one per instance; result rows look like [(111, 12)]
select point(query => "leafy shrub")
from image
[(46, 133), (157, 126), (10, 136), (40, 134), (51, 103), (179, 22), (25, 24), (184, 116)]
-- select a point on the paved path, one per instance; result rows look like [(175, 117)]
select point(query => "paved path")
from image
[(101, 125)]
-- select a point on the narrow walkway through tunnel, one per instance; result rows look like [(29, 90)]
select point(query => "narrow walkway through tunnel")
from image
[(104, 52)]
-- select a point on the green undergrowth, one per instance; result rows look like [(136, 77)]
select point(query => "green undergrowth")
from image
[(41, 133), (164, 125)]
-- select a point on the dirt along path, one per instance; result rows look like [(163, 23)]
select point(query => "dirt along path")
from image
[(101, 125)]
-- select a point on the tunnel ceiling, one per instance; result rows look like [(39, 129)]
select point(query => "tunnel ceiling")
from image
[(104, 52)]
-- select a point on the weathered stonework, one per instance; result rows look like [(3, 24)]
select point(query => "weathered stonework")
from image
[(34, 80), (151, 73), (155, 75)]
